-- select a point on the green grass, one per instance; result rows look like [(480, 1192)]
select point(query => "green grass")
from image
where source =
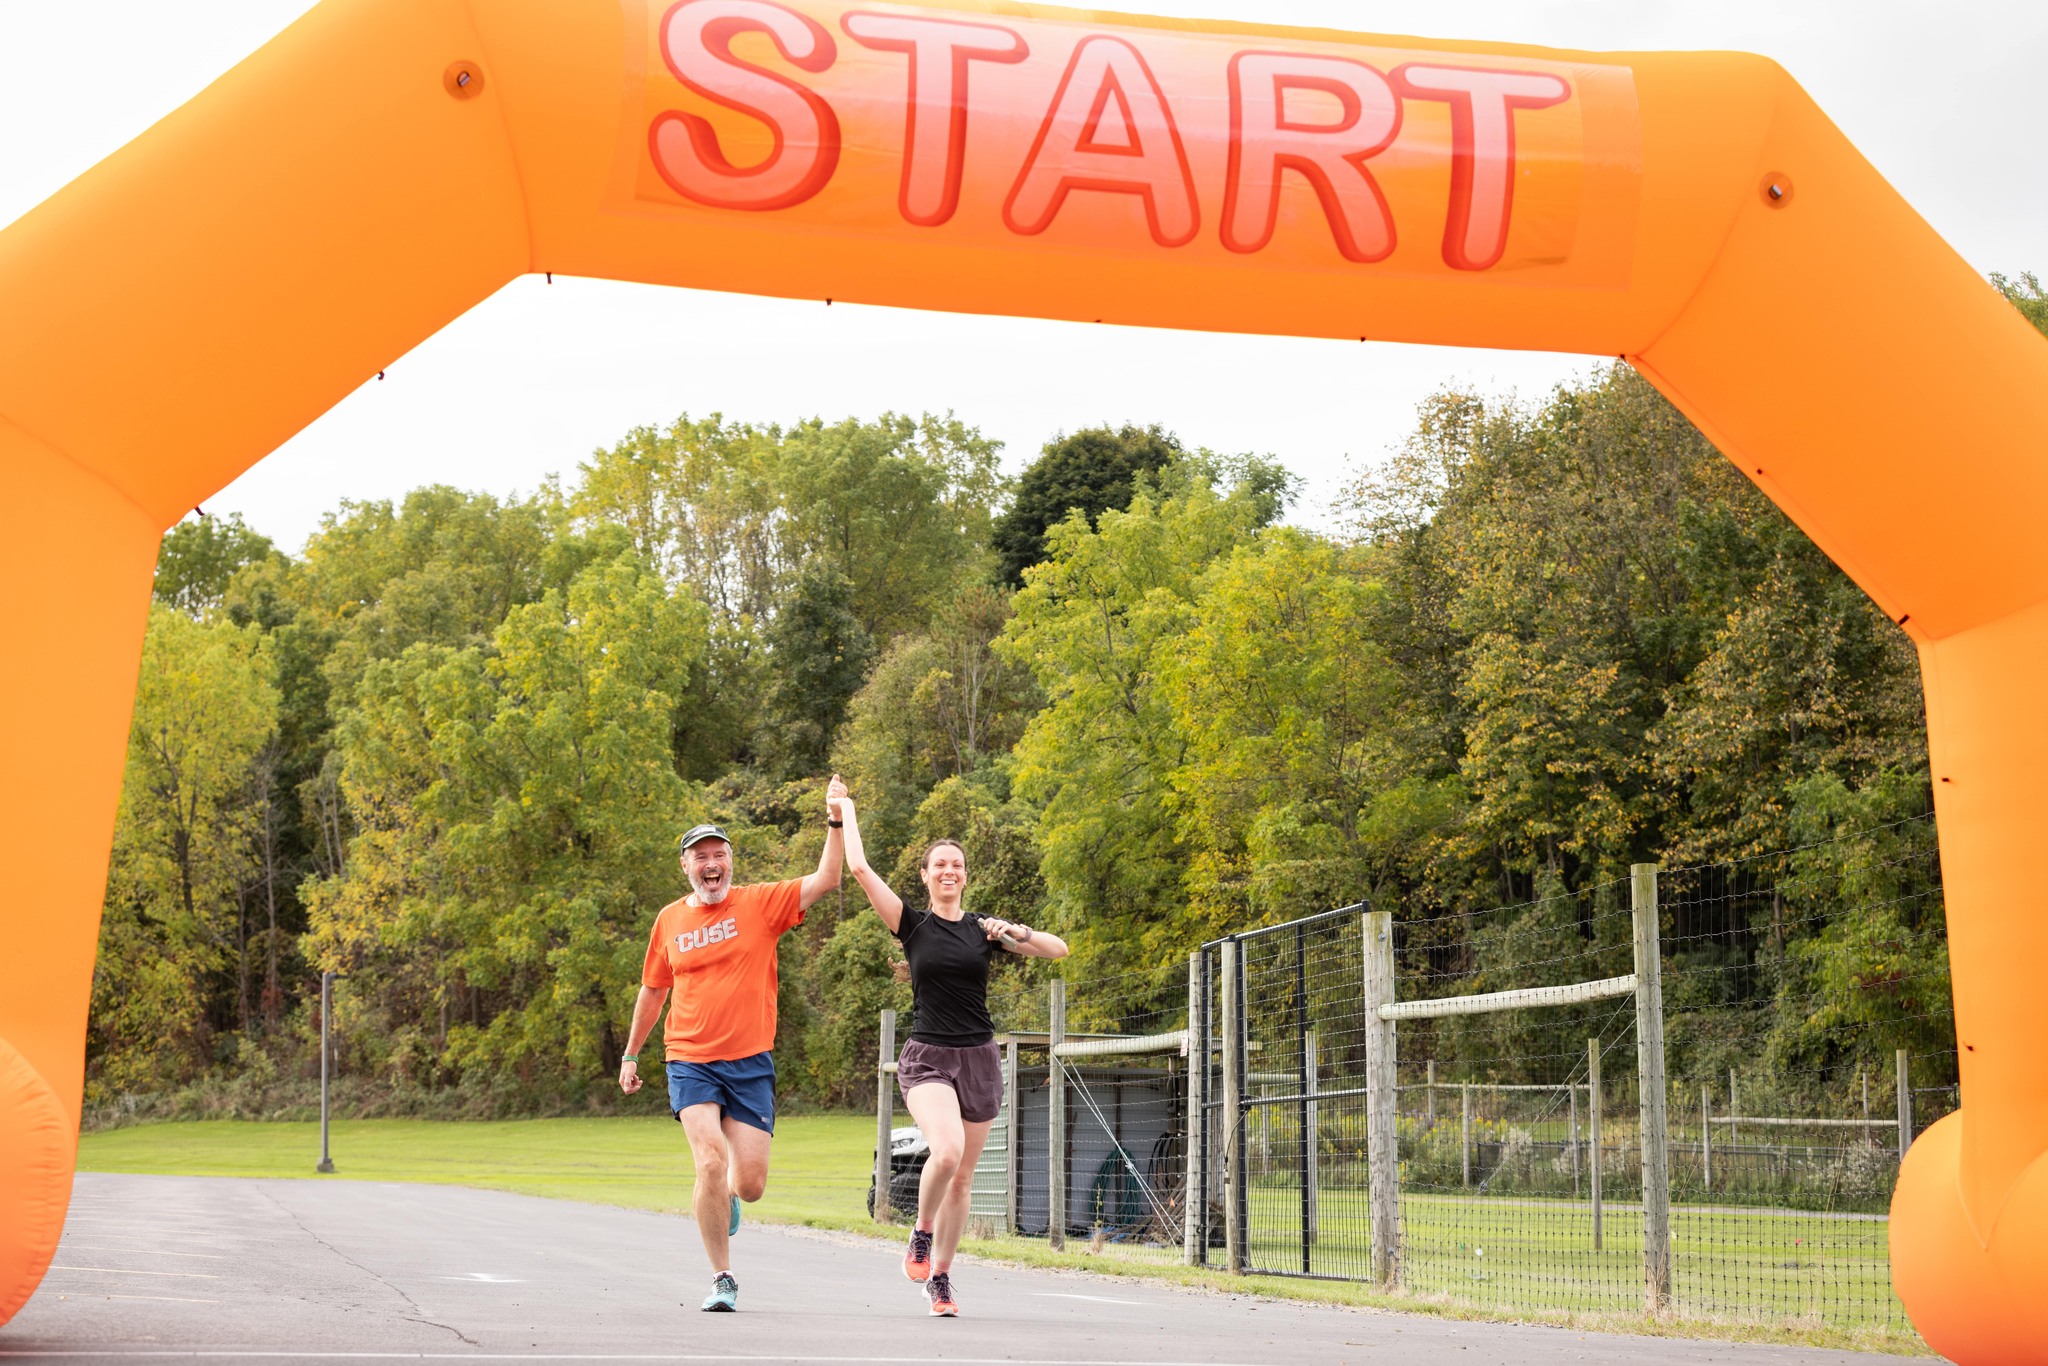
[(1742, 1275), (1518, 1253), (818, 1176)]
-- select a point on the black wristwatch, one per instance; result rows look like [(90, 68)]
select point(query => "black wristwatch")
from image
[(835, 825)]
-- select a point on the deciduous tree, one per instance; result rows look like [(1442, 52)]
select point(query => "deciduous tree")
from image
[(174, 935)]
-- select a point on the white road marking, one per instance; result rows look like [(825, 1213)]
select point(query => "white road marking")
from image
[(174, 1299), (129, 1271), (187, 1353), (1096, 1299), (154, 1231), (483, 1278), (151, 1252)]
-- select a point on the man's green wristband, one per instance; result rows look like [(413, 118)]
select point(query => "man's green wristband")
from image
[(629, 1057)]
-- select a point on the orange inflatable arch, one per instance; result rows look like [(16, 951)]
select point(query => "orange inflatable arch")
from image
[(181, 309)]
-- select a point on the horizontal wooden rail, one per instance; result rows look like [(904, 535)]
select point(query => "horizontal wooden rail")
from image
[(1173, 1041), (1522, 999), (1809, 1123), (1492, 1086)]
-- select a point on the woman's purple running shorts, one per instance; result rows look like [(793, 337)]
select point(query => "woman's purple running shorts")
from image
[(975, 1074)]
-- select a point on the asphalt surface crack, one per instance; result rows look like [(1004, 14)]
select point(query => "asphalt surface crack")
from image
[(418, 1315)]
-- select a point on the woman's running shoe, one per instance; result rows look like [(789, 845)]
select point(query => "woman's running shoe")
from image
[(732, 1225), (725, 1294), (939, 1290), (917, 1259)]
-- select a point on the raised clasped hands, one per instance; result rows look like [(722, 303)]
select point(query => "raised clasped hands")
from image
[(836, 800)]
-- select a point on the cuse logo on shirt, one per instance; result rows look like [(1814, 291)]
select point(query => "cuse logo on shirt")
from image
[(710, 934)]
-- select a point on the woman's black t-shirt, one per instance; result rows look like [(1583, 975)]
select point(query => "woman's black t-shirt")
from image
[(948, 978)]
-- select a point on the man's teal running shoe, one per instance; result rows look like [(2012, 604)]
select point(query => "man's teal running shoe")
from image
[(733, 1225), (725, 1295)]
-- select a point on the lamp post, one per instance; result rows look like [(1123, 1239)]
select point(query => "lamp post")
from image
[(326, 1009)]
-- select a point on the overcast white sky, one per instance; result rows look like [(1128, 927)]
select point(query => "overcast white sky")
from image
[(1945, 99)]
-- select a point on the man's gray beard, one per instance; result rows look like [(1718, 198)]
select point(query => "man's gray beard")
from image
[(706, 897)]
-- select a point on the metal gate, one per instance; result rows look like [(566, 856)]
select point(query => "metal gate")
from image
[(1282, 1099)]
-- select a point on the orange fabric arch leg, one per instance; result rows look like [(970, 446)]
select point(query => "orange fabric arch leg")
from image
[(73, 643), (1970, 1214)]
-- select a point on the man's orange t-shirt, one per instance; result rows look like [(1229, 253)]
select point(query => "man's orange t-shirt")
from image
[(721, 961)]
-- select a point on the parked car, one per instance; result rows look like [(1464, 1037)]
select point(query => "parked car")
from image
[(907, 1152)]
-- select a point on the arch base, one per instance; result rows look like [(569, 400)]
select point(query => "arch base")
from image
[(1972, 1299), (36, 1153)]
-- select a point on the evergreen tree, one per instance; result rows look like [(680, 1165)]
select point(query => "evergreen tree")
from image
[(818, 652), (1091, 471)]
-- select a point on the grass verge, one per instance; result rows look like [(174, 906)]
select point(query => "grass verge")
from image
[(639, 1163)]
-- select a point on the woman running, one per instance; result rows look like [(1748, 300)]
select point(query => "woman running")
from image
[(950, 1072)]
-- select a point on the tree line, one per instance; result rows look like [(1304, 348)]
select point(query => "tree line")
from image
[(446, 749)]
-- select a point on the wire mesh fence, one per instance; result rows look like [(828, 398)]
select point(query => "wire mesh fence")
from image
[(1123, 1078), (1810, 1036), (1520, 1166), (1224, 1112)]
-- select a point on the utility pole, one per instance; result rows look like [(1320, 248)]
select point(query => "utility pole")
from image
[(326, 1010)]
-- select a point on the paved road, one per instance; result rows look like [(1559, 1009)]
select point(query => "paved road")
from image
[(197, 1268)]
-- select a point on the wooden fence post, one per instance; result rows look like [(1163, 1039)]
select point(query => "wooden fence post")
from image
[(1734, 1112), (1593, 1133), (1382, 1136), (1905, 1107), (1233, 1114), (1056, 1125), (1651, 1097), (1578, 1162), (1465, 1130), (884, 1112), (1706, 1140)]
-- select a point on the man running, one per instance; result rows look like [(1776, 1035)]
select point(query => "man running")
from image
[(716, 949)]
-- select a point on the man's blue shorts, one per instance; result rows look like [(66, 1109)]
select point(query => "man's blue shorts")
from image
[(743, 1089)]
